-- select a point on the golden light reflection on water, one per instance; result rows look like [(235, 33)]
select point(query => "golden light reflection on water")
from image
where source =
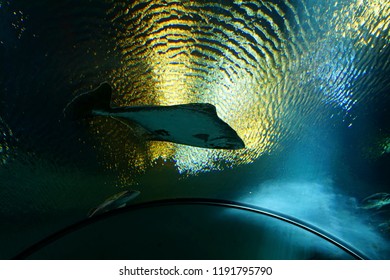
[(371, 20), (6, 137), (265, 66)]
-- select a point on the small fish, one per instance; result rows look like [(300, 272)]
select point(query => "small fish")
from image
[(193, 124), (385, 226), (116, 201), (376, 201)]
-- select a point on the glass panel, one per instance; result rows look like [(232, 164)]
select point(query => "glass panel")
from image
[(188, 232)]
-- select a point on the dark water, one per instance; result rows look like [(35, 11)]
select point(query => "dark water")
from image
[(305, 85), (245, 236)]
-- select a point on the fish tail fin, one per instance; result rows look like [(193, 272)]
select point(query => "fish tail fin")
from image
[(81, 106)]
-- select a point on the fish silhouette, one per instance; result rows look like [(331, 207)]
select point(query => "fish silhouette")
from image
[(376, 201), (193, 124), (116, 201)]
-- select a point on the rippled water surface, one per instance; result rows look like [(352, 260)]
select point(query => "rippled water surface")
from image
[(305, 84)]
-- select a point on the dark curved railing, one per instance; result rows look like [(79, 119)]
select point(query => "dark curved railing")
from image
[(197, 201)]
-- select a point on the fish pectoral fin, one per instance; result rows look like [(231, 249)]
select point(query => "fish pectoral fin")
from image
[(136, 129), (121, 121)]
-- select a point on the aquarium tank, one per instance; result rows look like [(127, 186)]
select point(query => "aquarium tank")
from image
[(177, 129)]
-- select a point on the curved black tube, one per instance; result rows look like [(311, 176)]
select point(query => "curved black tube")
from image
[(196, 201)]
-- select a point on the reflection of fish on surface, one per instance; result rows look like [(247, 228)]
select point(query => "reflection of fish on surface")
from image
[(376, 201), (116, 201), (194, 124)]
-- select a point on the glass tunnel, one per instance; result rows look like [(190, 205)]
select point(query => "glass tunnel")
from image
[(197, 129)]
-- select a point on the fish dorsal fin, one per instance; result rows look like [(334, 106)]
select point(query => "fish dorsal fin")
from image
[(82, 105)]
